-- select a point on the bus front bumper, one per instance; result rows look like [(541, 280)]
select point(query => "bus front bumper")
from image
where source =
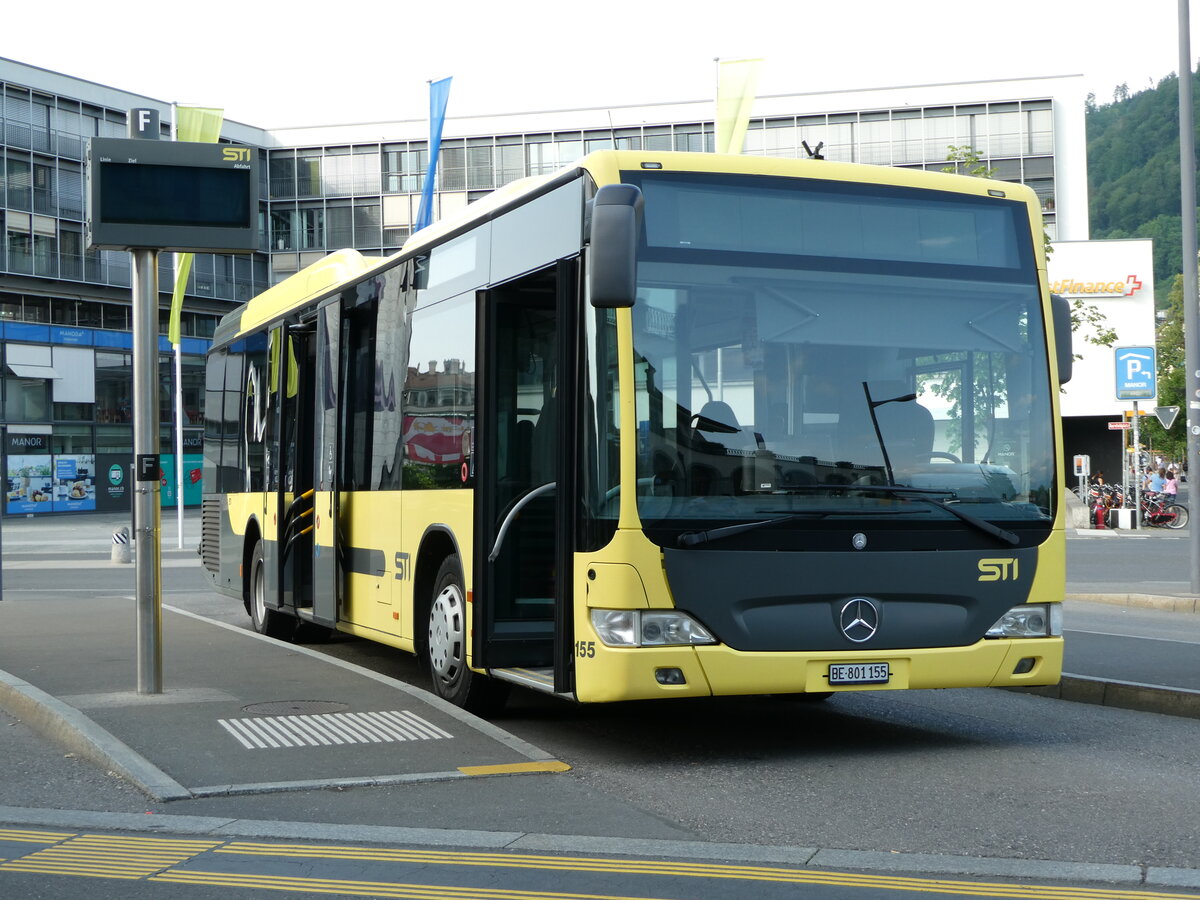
[(646, 673)]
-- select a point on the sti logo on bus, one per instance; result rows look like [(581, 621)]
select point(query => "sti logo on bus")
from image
[(235, 154), (998, 569)]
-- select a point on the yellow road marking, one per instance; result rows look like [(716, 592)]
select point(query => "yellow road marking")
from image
[(450, 892), (549, 765), (110, 856), (381, 889), (689, 869), (133, 858), (21, 836)]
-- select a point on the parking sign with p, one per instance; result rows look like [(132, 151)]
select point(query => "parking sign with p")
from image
[(1136, 373)]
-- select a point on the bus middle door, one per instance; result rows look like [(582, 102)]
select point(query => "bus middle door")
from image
[(326, 570)]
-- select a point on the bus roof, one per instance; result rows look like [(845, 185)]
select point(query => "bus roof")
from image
[(604, 167)]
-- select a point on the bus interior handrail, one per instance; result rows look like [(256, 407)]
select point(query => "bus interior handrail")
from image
[(512, 514)]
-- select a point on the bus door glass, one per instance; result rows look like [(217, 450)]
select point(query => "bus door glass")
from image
[(325, 465), (295, 373), (274, 504), (517, 500)]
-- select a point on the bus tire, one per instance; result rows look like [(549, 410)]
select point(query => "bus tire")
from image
[(445, 647), (268, 622)]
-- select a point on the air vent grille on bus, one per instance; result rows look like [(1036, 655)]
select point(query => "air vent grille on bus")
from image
[(210, 534)]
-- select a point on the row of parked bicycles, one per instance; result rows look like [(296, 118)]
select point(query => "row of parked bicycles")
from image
[(1158, 510)]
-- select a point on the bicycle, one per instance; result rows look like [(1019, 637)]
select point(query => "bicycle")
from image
[(1159, 511)]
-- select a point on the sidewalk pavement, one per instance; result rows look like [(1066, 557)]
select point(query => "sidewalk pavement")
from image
[(234, 699)]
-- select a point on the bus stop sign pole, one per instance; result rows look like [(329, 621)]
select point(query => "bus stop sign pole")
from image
[(144, 125), (146, 512)]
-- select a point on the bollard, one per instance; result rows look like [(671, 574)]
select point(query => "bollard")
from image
[(120, 546)]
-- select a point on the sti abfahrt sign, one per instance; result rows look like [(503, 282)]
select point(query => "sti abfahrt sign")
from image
[(171, 195)]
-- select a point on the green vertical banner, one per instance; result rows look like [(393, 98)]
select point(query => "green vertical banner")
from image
[(737, 84), (200, 125)]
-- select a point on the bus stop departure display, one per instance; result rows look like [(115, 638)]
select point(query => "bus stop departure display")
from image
[(171, 195), (157, 195)]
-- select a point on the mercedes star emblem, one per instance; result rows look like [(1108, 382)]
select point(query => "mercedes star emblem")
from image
[(859, 620)]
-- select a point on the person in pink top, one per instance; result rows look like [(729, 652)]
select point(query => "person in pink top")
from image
[(1170, 486)]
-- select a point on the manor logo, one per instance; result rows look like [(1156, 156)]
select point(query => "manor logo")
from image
[(1068, 287)]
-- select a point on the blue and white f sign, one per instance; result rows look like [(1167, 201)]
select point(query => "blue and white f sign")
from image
[(1136, 373)]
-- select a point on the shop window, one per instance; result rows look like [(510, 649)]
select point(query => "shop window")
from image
[(26, 399), (71, 439), (114, 383), (114, 439), (37, 309), (62, 312), (73, 412), (114, 317)]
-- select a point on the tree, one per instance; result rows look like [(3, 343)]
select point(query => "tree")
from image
[(1172, 377)]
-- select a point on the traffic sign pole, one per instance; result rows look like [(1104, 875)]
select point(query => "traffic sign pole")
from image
[(1191, 316), (1137, 456)]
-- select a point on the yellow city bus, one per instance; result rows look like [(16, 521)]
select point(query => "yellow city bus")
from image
[(662, 425)]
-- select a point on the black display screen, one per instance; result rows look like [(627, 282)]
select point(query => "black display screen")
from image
[(149, 194)]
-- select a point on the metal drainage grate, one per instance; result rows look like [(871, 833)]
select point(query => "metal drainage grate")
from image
[(332, 729), (295, 707)]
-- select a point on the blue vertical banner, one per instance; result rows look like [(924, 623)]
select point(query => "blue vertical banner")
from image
[(439, 95)]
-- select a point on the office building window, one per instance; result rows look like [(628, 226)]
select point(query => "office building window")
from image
[(281, 175), (18, 183), (308, 173)]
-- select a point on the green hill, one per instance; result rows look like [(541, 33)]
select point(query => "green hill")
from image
[(1133, 172)]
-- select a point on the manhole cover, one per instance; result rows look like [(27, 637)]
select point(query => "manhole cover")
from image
[(295, 707)]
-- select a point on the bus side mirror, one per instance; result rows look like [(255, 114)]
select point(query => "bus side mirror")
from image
[(1060, 312), (612, 260)]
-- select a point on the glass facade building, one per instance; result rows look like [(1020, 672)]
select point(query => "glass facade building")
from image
[(65, 310)]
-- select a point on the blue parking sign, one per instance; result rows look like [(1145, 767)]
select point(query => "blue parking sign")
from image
[(1136, 373)]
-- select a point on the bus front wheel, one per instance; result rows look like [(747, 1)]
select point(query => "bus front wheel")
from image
[(266, 621), (446, 647)]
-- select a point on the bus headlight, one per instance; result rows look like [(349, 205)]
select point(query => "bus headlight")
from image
[(648, 628), (1029, 620)]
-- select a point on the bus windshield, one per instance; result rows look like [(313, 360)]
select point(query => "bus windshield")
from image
[(807, 350)]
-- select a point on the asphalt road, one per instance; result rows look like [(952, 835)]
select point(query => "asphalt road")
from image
[(983, 774)]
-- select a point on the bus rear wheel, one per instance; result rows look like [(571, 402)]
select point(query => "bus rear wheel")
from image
[(266, 621), (446, 647)]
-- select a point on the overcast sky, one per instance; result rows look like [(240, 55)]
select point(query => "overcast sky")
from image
[(283, 65)]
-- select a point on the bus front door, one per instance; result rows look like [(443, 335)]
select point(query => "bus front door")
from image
[(523, 523)]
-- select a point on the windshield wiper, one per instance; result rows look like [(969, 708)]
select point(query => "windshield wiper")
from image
[(932, 496), (692, 538)]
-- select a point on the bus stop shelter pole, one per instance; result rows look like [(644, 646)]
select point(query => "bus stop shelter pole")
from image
[(146, 510)]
